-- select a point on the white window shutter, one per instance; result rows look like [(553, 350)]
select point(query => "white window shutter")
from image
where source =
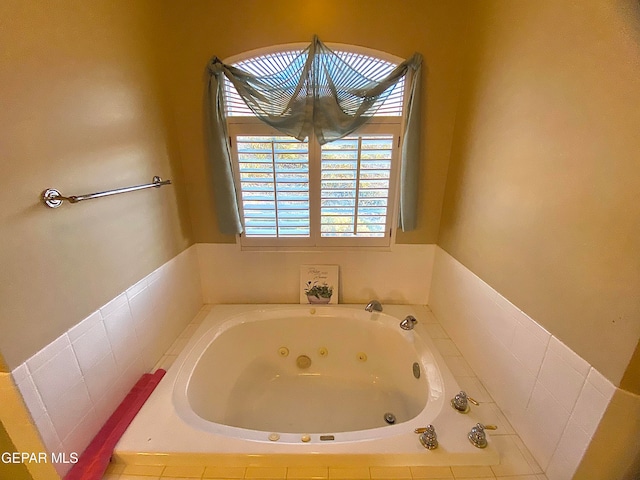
[(273, 175), (355, 186)]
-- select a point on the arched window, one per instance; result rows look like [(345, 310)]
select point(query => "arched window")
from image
[(301, 193), (365, 61)]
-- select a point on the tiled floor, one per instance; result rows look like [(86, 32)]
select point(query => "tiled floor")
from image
[(309, 473), (516, 462)]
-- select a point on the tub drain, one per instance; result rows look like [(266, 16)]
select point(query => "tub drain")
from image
[(390, 418)]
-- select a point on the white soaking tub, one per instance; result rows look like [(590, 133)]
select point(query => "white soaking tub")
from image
[(320, 384)]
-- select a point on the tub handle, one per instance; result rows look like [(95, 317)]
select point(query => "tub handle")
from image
[(428, 437)]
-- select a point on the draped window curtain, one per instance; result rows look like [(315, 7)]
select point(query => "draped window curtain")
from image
[(316, 93)]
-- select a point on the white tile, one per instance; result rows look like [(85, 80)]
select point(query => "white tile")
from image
[(561, 379), (546, 419), (126, 351), (101, 377), (188, 331), (141, 307), (490, 414), (127, 380), (201, 314), (569, 356), (514, 384), (589, 408), (119, 324), (446, 347), (155, 275), (526, 453), (459, 367), (91, 346), (435, 331), (69, 409), (528, 348), (512, 460), (106, 405), (506, 305), (533, 327), (177, 346), (84, 326), (31, 397), (481, 302), (20, 373), (122, 336), (567, 456), (47, 353), (115, 304), (47, 432), (406, 280), (502, 324), (467, 472), (600, 382), (483, 351), (466, 281), (135, 289), (56, 376), (429, 317), (152, 333), (80, 437)]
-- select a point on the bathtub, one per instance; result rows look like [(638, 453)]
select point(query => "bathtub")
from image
[(300, 384)]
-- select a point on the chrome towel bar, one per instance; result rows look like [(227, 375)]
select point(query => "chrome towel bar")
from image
[(53, 198)]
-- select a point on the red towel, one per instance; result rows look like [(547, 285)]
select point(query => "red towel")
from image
[(95, 459)]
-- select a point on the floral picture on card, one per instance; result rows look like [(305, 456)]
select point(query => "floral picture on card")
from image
[(319, 284)]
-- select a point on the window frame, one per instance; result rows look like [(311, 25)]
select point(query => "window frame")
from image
[(246, 125), (380, 125)]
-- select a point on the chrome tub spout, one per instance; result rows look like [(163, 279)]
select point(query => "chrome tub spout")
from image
[(408, 323), (373, 305)]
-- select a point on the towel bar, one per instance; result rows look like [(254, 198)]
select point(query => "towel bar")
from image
[(53, 198)]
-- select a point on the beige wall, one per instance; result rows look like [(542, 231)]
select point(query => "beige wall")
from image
[(81, 113), (614, 451), (198, 29), (542, 193), (15, 471)]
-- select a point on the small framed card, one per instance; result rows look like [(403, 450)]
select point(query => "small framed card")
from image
[(319, 284)]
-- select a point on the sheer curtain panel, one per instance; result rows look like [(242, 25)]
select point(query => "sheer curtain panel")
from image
[(319, 94)]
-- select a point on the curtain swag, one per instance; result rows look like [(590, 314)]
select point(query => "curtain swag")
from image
[(316, 93)]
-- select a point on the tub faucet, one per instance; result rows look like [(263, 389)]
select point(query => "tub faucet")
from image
[(428, 437), (408, 323), (477, 436), (373, 305)]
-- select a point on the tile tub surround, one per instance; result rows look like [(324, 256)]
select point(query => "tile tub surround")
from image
[(552, 397), (400, 275), (72, 385)]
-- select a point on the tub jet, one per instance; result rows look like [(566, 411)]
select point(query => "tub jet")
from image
[(303, 362), (390, 418)]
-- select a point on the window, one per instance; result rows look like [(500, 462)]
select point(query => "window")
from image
[(301, 193)]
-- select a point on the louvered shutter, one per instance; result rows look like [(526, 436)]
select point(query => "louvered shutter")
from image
[(355, 188), (300, 193), (273, 175)]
